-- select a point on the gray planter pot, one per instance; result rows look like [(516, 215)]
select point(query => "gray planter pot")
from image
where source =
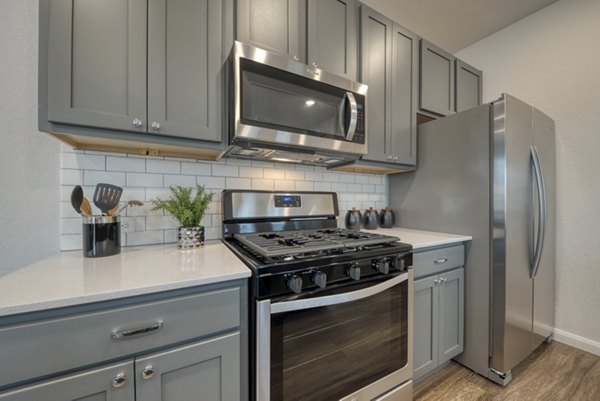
[(190, 237)]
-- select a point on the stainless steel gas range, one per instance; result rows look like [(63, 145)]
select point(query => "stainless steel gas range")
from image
[(331, 309)]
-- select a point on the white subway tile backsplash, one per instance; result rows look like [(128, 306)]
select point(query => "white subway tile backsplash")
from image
[(188, 181), (146, 178), (251, 172), (225, 171), (91, 177), (163, 166), (126, 164), (196, 168), (263, 184), (82, 161)]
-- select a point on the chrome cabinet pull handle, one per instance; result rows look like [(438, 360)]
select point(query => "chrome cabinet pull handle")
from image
[(296, 58), (116, 335), (119, 380), (137, 123), (155, 126), (440, 261), (148, 372)]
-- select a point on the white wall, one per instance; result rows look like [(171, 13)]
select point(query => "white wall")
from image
[(551, 60), (29, 160)]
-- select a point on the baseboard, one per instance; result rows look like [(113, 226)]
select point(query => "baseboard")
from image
[(576, 341)]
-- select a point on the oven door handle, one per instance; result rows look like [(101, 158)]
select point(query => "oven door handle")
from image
[(289, 306)]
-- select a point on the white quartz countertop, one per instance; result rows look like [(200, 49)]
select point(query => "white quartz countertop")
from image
[(68, 279), (422, 239)]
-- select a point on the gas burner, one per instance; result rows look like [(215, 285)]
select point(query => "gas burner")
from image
[(270, 236)]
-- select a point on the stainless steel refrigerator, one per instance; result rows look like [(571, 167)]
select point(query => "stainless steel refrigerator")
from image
[(489, 172)]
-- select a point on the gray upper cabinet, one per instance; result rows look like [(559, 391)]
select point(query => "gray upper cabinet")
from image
[(276, 25), (389, 55), (208, 368), (332, 36), (184, 67), (97, 63), (109, 383), (469, 86), (437, 80)]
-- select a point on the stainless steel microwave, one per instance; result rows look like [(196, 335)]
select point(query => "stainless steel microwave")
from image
[(283, 110)]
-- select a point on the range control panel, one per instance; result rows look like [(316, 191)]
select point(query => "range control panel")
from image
[(288, 201)]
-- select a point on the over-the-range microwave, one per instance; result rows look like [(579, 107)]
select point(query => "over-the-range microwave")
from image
[(284, 110)]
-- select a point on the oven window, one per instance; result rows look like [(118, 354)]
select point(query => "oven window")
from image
[(330, 352)]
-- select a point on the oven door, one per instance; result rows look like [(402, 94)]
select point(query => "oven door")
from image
[(352, 343)]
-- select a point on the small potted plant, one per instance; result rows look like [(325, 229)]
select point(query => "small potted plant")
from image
[(188, 211)]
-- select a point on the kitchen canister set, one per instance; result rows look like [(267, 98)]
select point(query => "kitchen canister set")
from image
[(370, 219)]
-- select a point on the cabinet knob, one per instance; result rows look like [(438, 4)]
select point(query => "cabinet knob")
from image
[(395, 157), (296, 58), (137, 123), (119, 380), (148, 372), (315, 65), (155, 125), (389, 157)]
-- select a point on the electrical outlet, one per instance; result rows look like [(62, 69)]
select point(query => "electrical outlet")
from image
[(126, 227)]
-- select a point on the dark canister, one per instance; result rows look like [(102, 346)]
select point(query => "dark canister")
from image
[(101, 236), (387, 218), (371, 219), (353, 220)]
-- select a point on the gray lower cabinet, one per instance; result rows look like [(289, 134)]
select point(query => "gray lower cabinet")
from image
[(113, 382), (437, 80), (210, 368), (469, 86), (275, 25), (438, 322), (389, 56), (171, 347)]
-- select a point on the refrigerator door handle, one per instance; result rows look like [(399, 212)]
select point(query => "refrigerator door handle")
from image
[(542, 212)]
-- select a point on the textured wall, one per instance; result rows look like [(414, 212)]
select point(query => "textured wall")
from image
[(29, 160), (551, 59), (145, 178)]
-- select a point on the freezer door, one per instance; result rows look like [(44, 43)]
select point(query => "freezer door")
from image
[(512, 244), (543, 281)]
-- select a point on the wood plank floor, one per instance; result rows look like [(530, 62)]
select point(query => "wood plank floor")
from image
[(554, 372)]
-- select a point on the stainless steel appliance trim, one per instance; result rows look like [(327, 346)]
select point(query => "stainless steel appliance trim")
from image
[(251, 205), (277, 137), (101, 219), (263, 350), (289, 306), (401, 393), (353, 116), (542, 210)]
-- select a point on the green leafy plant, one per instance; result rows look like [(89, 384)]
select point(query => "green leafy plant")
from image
[(185, 209)]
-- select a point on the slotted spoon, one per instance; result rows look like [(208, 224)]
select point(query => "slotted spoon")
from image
[(107, 196)]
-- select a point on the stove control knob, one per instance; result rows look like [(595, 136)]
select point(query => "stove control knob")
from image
[(381, 265), (320, 279), (399, 263), (353, 271), (294, 283)]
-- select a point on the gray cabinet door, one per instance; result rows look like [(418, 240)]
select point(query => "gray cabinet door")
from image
[(437, 80), (469, 86), (208, 370), (451, 304), (97, 63), (376, 72), (276, 25), (403, 137), (332, 36), (184, 67), (425, 326), (94, 385)]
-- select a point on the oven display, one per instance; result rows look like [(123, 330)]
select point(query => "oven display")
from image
[(288, 201)]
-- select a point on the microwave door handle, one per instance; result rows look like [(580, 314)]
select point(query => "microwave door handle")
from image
[(353, 116), (289, 306)]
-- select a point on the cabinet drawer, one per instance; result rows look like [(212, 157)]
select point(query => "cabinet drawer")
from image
[(438, 260), (50, 346)]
